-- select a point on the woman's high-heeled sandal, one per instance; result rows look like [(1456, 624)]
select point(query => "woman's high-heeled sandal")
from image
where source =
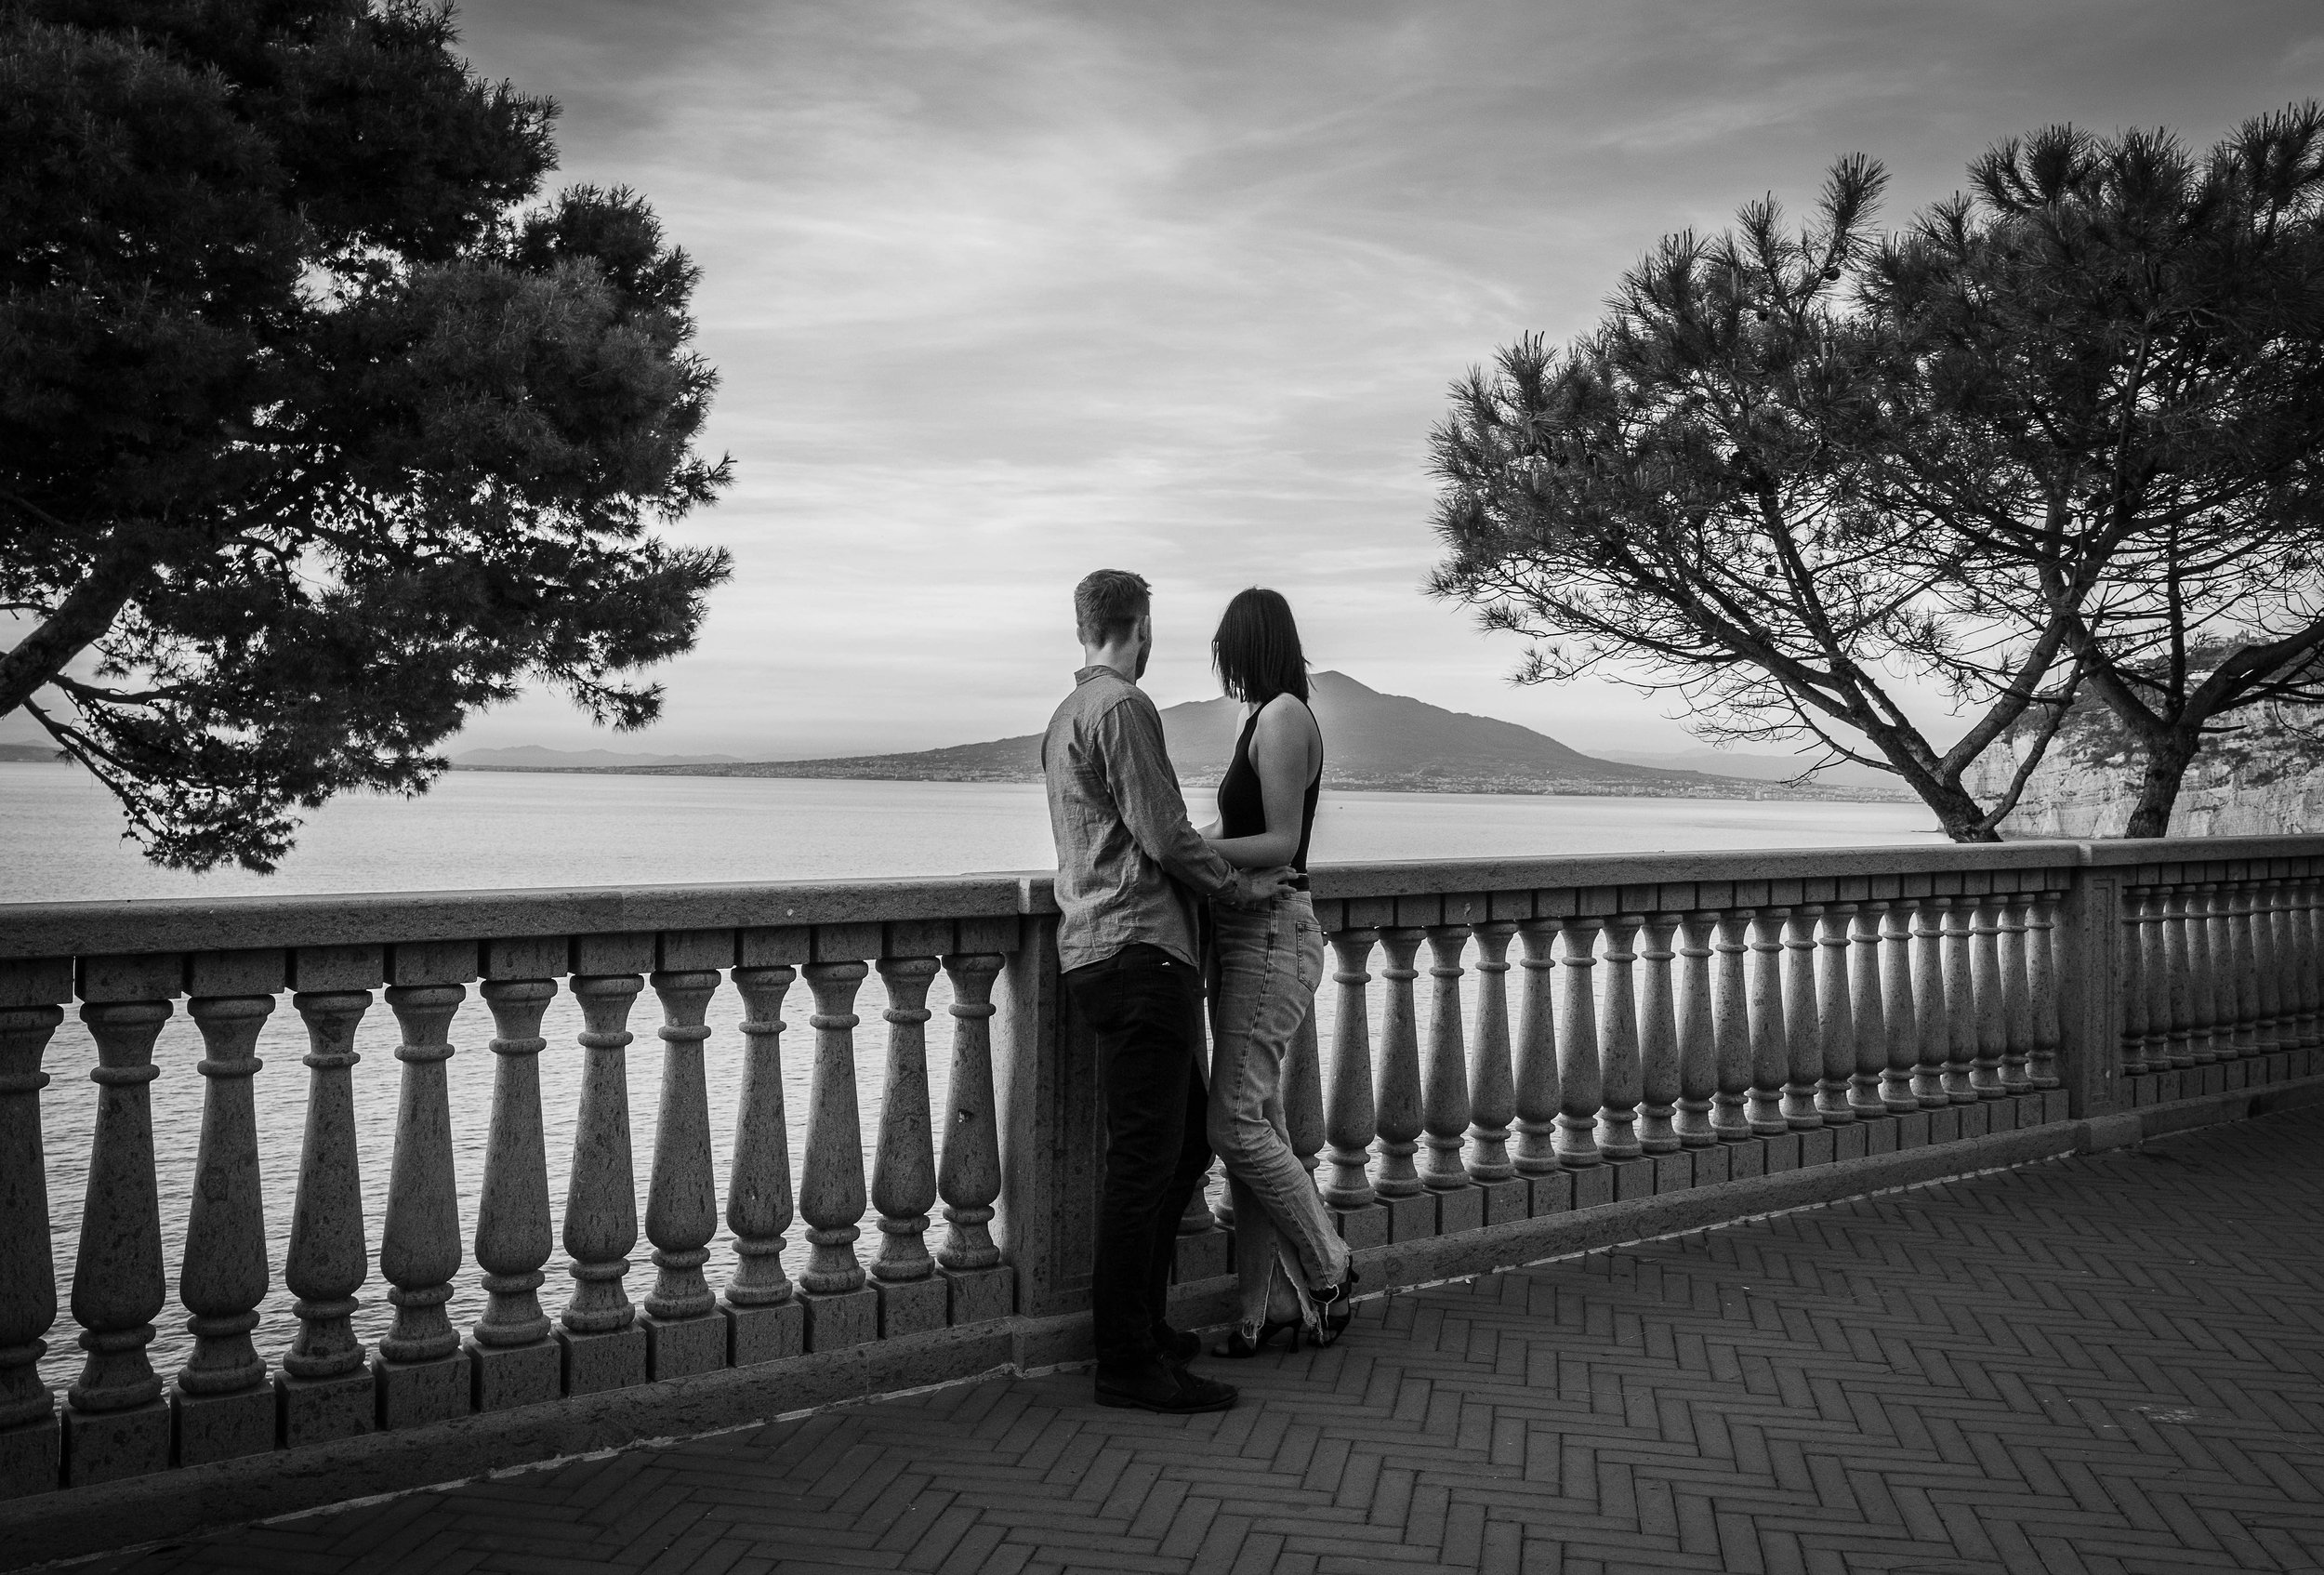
[(1335, 1308)]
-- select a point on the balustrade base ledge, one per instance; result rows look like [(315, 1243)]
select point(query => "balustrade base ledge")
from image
[(191, 1498)]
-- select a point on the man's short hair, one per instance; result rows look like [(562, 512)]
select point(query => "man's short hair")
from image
[(1108, 603)]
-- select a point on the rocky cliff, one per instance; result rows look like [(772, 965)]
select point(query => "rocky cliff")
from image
[(2266, 777)]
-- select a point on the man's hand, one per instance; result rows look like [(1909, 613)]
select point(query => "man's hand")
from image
[(1256, 888)]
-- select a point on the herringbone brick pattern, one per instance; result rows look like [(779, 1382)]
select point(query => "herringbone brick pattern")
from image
[(2112, 1364)]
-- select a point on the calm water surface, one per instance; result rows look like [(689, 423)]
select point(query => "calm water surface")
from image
[(59, 841)]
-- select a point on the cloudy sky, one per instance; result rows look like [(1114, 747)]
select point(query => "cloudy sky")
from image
[(1001, 292)]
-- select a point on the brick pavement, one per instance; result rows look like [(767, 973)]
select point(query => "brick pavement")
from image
[(2111, 1364)]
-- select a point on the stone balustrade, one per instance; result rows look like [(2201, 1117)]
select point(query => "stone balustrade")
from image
[(1594, 1033)]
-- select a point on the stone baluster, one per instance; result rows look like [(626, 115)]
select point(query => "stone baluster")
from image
[(2207, 1031), (1342, 1178), (2291, 933), (225, 1404), (1698, 1033), (1581, 1085), (903, 1165), (1771, 1054), (420, 1375), (2311, 940), (1868, 1017), (1900, 952), (969, 1179), (2139, 981), (1731, 1025), (117, 1285), (2226, 968), (1984, 983), (27, 1272), (1802, 1027), (116, 1425), (1929, 1005), (2016, 1004), (328, 1391), (683, 1334), (2153, 960), (1961, 1003), (2274, 934), (2243, 947), (1492, 1086), (1658, 1037), (604, 1347), (516, 1361), (1444, 1070), (1835, 1019), (2041, 986), (831, 1193), (2256, 931), (2302, 963), (2225, 1007), (2178, 931), (1538, 1097), (1397, 1071), (2262, 964), (1619, 1083), (2307, 943), (763, 1319), (1303, 1092)]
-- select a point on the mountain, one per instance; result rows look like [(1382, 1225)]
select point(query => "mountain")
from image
[(532, 757), (1371, 741), (1768, 768), (31, 752)]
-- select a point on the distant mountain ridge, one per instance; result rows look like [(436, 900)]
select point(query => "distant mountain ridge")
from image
[(1371, 741)]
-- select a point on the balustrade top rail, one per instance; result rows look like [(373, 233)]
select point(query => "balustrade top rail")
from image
[(130, 926)]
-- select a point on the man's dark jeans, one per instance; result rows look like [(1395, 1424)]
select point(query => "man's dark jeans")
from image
[(1145, 1009)]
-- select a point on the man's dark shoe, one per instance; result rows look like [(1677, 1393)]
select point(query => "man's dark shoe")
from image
[(1165, 1387), (1175, 1346)]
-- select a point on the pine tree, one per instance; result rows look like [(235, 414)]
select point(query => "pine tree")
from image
[(314, 438), (2052, 440)]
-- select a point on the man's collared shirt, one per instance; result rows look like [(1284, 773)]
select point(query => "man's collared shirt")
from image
[(1129, 865)]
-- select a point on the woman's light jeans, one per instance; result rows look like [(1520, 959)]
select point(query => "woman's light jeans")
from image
[(1268, 962)]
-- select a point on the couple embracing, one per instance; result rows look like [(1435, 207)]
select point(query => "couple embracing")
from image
[(1134, 879)]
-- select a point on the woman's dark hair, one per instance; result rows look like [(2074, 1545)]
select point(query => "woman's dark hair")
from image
[(1256, 649)]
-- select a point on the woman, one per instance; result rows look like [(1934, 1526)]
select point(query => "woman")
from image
[(1267, 961)]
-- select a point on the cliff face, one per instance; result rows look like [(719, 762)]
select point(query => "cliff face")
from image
[(2264, 778)]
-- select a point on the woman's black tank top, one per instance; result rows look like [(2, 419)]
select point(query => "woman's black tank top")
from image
[(1243, 805)]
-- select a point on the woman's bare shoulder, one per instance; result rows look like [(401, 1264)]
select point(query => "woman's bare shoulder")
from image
[(1287, 716)]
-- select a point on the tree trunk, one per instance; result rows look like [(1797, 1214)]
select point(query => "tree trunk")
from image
[(87, 612), (1961, 816), (2167, 760)]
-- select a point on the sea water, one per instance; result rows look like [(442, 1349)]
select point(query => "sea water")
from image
[(60, 841)]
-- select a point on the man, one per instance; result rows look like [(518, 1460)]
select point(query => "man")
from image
[(1129, 870)]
